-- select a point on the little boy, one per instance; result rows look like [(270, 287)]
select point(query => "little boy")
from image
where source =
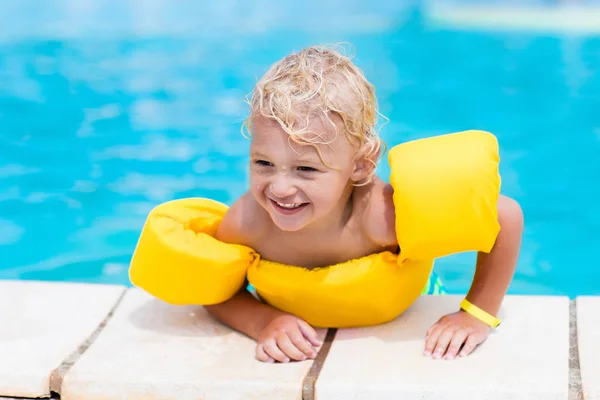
[(314, 201)]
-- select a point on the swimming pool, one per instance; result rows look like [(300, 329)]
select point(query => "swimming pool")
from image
[(107, 110)]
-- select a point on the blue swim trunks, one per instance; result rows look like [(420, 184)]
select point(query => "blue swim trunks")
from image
[(434, 285)]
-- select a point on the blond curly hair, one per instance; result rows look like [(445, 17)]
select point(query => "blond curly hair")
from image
[(319, 82)]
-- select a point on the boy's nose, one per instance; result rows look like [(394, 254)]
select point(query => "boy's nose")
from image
[(282, 188)]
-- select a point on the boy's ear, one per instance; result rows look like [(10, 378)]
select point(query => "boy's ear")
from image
[(364, 164)]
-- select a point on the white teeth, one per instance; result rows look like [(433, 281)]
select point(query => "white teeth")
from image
[(293, 205)]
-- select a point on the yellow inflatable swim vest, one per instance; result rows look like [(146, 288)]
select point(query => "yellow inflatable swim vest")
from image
[(446, 191)]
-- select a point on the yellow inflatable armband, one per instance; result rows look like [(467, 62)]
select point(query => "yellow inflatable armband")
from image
[(446, 191), (361, 292), (178, 260)]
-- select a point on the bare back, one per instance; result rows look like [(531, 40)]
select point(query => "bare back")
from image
[(369, 229)]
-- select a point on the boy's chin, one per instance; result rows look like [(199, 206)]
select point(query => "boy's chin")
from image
[(288, 226)]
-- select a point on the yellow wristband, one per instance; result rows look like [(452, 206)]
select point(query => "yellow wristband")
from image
[(478, 313)]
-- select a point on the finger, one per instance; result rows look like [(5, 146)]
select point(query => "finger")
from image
[(469, 346), (285, 345), (458, 339), (272, 350), (261, 355), (442, 343), (309, 332), (302, 344), (432, 328), (432, 340)]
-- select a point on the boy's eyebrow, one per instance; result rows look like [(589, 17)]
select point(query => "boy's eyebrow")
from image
[(257, 154)]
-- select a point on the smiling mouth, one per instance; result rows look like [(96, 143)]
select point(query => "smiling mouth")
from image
[(288, 208)]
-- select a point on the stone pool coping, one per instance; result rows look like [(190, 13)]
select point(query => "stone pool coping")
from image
[(89, 341)]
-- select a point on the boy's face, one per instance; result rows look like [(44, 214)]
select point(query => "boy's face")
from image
[(291, 181)]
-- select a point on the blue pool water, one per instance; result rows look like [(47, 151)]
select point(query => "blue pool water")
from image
[(106, 111)]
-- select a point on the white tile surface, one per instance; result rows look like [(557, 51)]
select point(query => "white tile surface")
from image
[(526, 358), (42, 324), (151, 350), (588, 338)]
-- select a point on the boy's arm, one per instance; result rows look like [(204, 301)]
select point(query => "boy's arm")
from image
[(244, 314), (461, 331), (495, 270)]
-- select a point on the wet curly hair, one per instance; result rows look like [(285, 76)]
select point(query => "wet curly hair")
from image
[(319, 82)]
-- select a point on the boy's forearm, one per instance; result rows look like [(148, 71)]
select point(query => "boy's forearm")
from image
[(494, 271), (244, 313)]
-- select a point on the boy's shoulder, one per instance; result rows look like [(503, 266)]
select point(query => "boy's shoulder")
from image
[(378, 212), (243, 223)]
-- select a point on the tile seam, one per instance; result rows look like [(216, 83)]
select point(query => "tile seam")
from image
[(575, 386), (310, 380), (58, 374)]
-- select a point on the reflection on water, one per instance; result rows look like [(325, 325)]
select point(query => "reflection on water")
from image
[(104, 114), (557, 17)]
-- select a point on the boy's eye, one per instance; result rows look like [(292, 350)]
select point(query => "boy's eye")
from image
[(263, 163), (307, 169)]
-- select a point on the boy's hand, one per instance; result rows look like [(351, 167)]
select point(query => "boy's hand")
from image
[(446, 337), (287, 337)]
